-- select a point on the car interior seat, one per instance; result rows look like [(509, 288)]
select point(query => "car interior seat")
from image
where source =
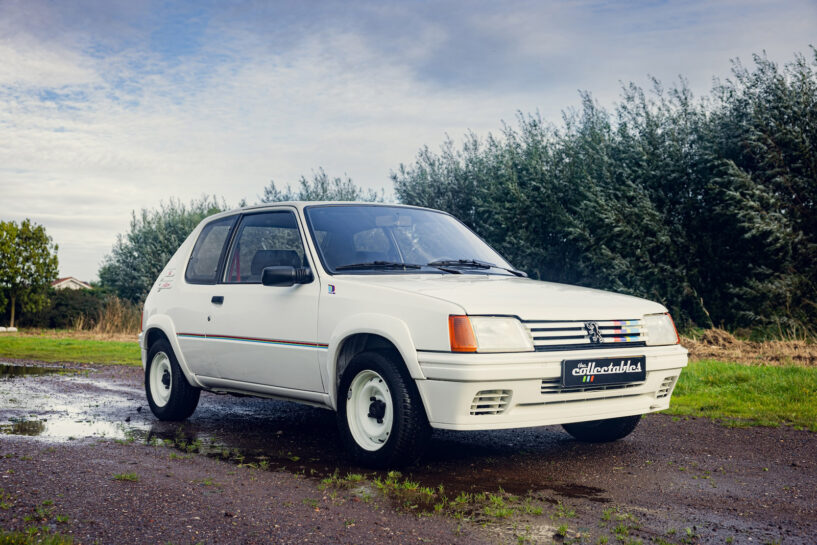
[(273, 258)]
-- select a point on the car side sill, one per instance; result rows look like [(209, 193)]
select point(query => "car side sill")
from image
[(220, 385)]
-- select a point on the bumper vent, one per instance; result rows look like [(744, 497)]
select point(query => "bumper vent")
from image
[(554, 386), (666, 387), (551, 335), (490, 402), (551, 386)]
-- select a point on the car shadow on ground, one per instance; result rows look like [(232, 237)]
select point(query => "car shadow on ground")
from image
[(286, 436)]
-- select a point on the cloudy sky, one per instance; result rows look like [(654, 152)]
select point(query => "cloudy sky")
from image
[(107, 107)]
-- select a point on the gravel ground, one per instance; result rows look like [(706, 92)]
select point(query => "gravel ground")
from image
[(190, 500), (65, 436)]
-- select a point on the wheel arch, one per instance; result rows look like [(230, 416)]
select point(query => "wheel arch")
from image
[(369, 332), (154, 334), (161, 327)]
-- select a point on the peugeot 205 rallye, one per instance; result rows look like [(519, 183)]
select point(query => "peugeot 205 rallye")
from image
[(401, 320)]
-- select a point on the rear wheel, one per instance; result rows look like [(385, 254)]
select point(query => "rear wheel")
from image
[(169, 394), (380, 415), (603, 431)]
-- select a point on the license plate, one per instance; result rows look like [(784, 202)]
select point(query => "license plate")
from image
[(603, 371)]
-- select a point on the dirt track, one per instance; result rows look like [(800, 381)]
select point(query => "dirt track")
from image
[(684, 481)]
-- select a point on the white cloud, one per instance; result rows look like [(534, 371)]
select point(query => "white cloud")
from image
[(251, 119), (92, 132), (30, 65)]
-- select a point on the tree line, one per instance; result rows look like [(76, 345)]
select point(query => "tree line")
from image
[(705, 204), (708, 205)]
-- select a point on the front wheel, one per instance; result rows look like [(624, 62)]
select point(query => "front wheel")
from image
[(380, 415), (603, 431), (169, 394)]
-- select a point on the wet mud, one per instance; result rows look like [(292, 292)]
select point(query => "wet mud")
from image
[(683, 480)]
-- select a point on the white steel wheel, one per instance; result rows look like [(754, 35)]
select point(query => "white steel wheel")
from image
[(380, 416), (161, 379), (169, 394), (369, 410)]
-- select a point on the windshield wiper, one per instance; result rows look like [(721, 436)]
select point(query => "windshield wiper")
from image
[(473, 264), (378, 265)]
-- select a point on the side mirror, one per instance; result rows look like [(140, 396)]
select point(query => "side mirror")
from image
[(286, 276)]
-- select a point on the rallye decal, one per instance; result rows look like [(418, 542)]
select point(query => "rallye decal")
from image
[(298, 344), (624, 333)]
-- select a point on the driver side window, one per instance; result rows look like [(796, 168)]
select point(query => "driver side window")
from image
[(263, 240)]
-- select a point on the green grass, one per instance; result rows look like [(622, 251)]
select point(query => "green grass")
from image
[(746, 395), (52, 349), (742, 395), (34, 536)]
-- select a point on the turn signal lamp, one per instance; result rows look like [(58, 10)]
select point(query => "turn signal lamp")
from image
[(461, 334)]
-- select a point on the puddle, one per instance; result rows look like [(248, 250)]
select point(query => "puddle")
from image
[(63, 403), (10, 370), (61, 428)]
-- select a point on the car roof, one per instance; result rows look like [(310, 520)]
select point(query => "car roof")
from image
[(302, 204)]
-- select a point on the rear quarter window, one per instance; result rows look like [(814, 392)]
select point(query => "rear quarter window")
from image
[(207, 253)]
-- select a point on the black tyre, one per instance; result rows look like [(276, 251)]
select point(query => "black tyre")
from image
[(381, 418), (603, 431), (169, 394)]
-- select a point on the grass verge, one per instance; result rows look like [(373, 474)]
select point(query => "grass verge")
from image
[(52, 349), (739, 394), (747, 395), (721, 345)]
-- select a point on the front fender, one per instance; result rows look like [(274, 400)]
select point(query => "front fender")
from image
[(393, 329), (165, 325)]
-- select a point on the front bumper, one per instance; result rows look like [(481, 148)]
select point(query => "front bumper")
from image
[(496, 391)]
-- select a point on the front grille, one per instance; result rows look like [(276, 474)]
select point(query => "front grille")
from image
[(552, 335), (666, 387), (490, 402), (554, 386)]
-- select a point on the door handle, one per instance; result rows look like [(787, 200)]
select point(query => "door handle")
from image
[(217, 299)]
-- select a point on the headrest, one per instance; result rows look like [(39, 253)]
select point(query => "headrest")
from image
[(273, 258)]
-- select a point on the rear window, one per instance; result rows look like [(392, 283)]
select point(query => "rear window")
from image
[(204, 261)]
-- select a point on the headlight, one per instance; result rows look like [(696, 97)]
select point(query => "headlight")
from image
[(660, 330), (488, 334)]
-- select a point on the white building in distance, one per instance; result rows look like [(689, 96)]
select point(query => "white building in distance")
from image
[(70, 283)]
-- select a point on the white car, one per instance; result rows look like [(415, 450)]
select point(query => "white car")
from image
[(401, 320)]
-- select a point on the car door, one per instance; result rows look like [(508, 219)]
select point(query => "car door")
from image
[(266, 335), (193, 313)]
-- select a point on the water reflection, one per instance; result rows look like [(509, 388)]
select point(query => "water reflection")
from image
[(23, 427), (10, 370), (68, 428)]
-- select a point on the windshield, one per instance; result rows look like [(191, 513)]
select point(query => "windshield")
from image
[(366, 238)]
